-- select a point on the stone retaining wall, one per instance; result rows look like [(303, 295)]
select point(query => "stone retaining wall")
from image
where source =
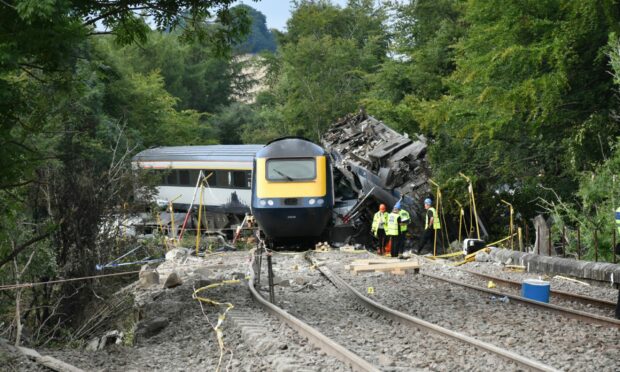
[(600, 271)]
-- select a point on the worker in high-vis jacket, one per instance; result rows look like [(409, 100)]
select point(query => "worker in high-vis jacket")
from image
[(405, 218), (379, 224), (393, 231), (431, 224)]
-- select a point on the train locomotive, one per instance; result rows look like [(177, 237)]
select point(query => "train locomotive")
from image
[(292, 190)]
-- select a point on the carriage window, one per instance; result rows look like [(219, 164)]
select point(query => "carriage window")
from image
[(240, 179), (184, 177), (171, 177), (301, 169), (222, 178)]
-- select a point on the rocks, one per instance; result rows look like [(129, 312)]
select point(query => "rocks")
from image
[(149, 328), (148, 277), (173, 280), (110, 338), (482, 256), (178, 255)]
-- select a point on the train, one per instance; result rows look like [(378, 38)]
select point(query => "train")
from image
[(228, 168), (292, 190), (286, 184)]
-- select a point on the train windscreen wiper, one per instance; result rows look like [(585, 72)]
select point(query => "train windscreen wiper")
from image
[(284, 175)]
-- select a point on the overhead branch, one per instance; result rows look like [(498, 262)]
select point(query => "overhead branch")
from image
[(19, 248)]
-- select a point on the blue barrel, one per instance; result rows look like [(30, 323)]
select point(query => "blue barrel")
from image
[(535, 289)]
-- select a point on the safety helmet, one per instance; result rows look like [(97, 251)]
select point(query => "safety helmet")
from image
[(428, 201), (382, 207)]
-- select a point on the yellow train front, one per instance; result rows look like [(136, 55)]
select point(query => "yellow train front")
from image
[(292, 190)]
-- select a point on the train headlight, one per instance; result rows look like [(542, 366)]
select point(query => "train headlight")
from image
[(311, 201), (320, 201), (270, 202), (262, 202)]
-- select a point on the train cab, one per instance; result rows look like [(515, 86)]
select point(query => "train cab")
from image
[(292, 189)]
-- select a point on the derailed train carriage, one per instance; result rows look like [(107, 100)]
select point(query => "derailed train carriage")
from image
[(292, 190), (228, 167)]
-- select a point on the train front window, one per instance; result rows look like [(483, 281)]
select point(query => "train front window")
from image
[(302, 169)]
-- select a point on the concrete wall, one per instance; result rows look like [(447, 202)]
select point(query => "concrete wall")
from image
[(600, 271)]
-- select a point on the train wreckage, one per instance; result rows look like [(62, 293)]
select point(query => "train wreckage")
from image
[(371, 164)]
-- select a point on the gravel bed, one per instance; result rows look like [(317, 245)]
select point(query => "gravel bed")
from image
[(599, 290), (306, 294), (563, 343), (440, 270), (254, 341)]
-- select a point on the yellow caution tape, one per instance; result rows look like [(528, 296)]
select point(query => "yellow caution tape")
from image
[(447, 255), (221, 317)]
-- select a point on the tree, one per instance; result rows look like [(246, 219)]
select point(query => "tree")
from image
[(324, 58), (528, 99), (69, 120), (259, 39), (423, 35)]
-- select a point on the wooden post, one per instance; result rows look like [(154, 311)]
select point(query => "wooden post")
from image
[(527, 233), (520, 234), (578, 243), (595, 247)]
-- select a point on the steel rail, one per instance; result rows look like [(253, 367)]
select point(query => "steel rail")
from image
[(570, 313), (412, 321), (323, 342), (555, 293)]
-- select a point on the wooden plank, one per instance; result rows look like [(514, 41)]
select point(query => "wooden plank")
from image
[(376, 261), (387, 267), (370, 262)]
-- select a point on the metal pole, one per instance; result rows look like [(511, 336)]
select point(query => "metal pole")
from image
[(613, 246), (520, 234), (549, 245), (538, 240), (563, 241), (270, 273), (259, 262), (578, 243), (595, 247)]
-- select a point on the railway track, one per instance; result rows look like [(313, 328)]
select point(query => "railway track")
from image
[(584, 314), (379, 332), (585, 300), (563, 343)]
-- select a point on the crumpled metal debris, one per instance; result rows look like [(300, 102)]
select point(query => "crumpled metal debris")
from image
[(375, 164)]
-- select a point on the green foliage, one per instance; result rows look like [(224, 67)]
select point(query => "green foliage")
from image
[(259, 39), (519, 111), (72, 111), (324, 59), (424, 35), (193, 72)]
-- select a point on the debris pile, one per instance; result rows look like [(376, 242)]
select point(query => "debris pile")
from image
[(375, 164)]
